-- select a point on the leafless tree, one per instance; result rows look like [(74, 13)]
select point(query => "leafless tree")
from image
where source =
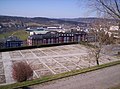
[(107, 9), (21, 71), (101, 38)]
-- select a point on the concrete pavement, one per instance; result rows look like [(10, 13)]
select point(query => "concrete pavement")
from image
[(99, 79)]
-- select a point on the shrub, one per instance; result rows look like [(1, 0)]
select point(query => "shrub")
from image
[(21, 71)]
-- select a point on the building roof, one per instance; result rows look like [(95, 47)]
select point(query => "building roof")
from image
[(36, 29), (39, 32), (12, 38)]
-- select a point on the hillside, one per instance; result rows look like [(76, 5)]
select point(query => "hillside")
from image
[(91, 20), (22, 34), (12, 23)]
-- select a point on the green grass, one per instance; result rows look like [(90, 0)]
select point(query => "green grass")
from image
[(5, 35), (57, 76), (22, 34)]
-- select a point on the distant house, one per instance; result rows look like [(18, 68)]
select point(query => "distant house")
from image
[(10, 42), (53, 37), (114, 28), (115, 31)]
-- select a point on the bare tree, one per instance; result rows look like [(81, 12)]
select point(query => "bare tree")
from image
[(107, 8), (101, 38), (21, 71)]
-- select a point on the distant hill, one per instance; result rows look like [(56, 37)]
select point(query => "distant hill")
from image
[(35, 19), (48, 20), (90, 20), (13, 23)]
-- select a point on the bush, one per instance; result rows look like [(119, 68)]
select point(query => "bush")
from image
[(21, 71)]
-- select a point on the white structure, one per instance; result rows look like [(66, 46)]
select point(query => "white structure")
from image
[(114, 28), (41, 30), (38, 32)]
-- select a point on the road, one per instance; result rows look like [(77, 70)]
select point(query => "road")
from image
[(99, 79)]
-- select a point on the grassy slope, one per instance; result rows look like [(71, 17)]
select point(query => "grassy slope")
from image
[(22, 34)]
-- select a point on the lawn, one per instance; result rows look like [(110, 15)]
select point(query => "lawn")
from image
[(22, 34)]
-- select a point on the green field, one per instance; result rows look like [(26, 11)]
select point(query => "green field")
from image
[(22, 34)]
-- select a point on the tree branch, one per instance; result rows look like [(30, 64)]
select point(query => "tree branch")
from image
[(108, 8), (117, 7)]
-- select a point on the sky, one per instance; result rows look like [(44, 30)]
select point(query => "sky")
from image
[(45, 8)]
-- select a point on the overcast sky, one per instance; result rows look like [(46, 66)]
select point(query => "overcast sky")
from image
[(45, 8)]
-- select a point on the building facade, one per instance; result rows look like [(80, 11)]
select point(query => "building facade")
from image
[(54, 37), (10, 42)]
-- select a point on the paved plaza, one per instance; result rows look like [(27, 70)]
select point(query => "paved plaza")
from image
[(49, 60)]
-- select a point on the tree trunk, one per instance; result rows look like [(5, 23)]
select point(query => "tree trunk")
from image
[(97, 61), (119, 30)]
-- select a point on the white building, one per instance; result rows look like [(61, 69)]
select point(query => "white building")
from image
[(114, 28)]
